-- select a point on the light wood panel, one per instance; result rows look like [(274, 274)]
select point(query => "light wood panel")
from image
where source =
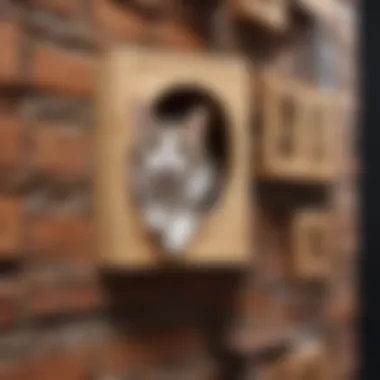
[(131, 75)]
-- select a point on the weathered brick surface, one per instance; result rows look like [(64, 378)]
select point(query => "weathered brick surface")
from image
[(112, 23), (50, 50), (68, 297), (10, 226), (11, 141), (131, 353), (65, 7), (60, 151), (177, 37), (60, 236), (58, 71), (11, 48), (12, 297)]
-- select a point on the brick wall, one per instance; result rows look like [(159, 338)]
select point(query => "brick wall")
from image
[(59, 316)]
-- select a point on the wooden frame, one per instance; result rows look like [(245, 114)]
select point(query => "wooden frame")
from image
[(272, 14), (307, 262), (129, 74), (303, 102)]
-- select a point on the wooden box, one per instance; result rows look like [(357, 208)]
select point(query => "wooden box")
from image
[(298, 127), (311, 242), (130, 75), (272, 14)]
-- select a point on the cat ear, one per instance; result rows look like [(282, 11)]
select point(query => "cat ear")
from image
[(197, 121)]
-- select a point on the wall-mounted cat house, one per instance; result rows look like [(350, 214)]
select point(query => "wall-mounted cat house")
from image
[(131, 76), (298, 131)]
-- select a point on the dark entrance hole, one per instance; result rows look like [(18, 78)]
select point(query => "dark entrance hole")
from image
[(177, 102)]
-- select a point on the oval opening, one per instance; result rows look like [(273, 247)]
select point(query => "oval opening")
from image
[(176, 102)]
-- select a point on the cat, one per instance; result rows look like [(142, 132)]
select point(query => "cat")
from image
[(172, 174)]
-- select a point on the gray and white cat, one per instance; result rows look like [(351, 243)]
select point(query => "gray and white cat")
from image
[(172, 175)]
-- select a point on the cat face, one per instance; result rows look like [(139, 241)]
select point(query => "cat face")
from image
[(166, 152), (170, 147)]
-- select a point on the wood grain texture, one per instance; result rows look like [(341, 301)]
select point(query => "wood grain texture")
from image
[(130, 75), (311, 244), (310, 130)]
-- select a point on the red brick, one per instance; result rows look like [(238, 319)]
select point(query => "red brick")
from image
[(139, 351), (117, 23), (66, 7), (11, 297), (10, 59), (60, 236), (70, 298), (14, 371), (175, 36), (10, 226), (59, 71), (11, 149), (60, 151), (73, 365)]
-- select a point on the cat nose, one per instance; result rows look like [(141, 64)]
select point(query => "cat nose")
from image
[(170, 181), (168, 176)]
